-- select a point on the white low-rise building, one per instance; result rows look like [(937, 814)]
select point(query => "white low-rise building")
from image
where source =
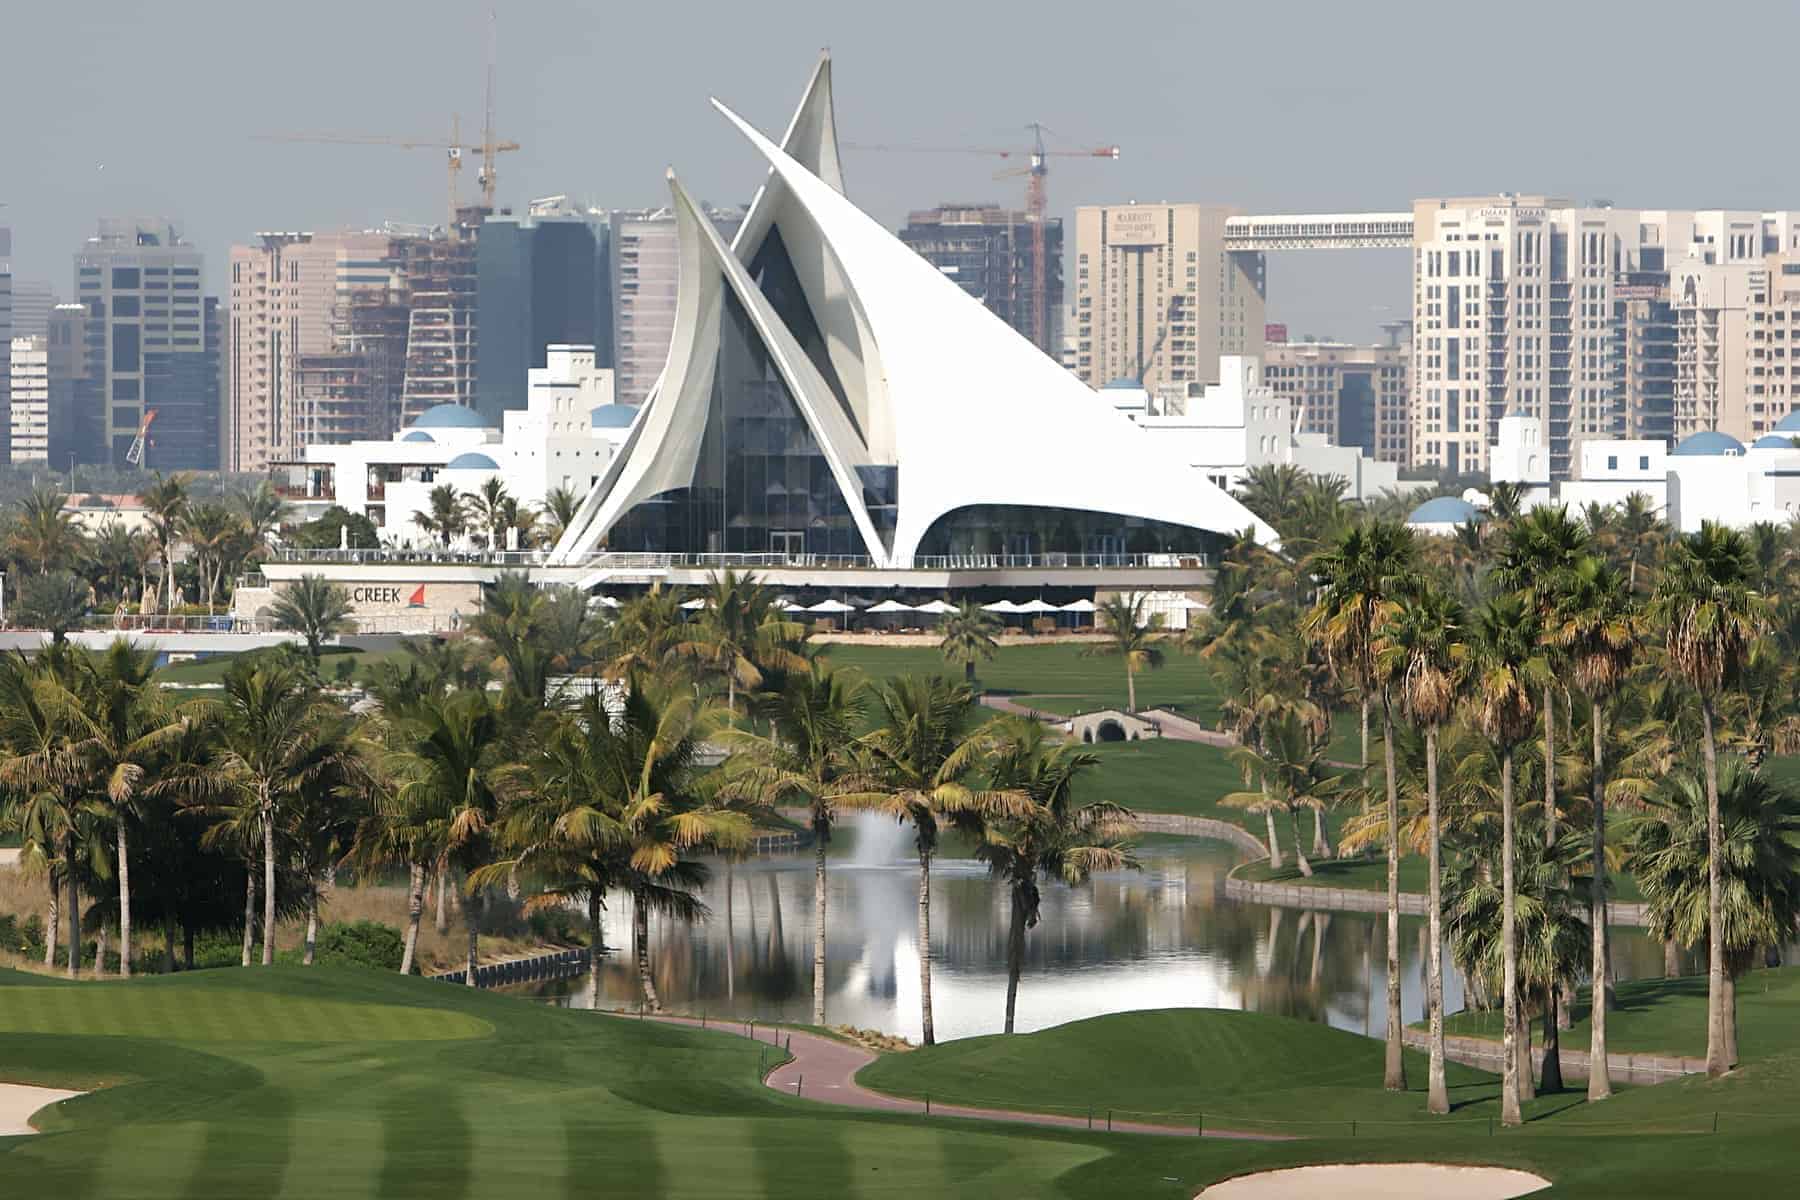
[(1709, 476), (1240, 423), (564, 438)]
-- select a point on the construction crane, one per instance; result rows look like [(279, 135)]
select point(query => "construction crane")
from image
[(490, 149), (135, 455), (1037, 200)]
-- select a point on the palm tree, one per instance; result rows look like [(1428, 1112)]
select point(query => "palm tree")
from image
[(1757, 824), (1710, 616), (166, 501), (968, 637), (1537, 554), (117, 558), (487, 510), (1640, 534), (560, 507), (399, 826), (273, 738), (741, 633), (808, 760), (1273, 491), (647, 630), (447, 516), (920, 761), (314, 608), (1506, 668), (261, 510), (1046, 835), (211, 527), (56, 602), (44, 535), (1361, 578), (1131, 634), (452, 755), (1596, 624), (1290, 759), (1423, 650), (120, 725), (660, 726)]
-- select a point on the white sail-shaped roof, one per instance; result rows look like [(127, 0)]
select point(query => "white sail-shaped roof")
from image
[(923, 376)]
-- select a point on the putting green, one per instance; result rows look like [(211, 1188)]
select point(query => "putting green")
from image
[(220, 1015)]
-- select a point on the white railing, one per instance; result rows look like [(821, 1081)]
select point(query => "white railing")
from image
[(628, 560)]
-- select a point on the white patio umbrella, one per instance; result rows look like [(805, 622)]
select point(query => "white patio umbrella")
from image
[(793, 606), (936, 607), (892, 606), (1191, 604), (831, 606), (1038, 606), (1003, 606), (609, 602), (1079, 606), (693, 605)]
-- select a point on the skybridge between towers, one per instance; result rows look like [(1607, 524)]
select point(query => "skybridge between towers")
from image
[(1319, 231)]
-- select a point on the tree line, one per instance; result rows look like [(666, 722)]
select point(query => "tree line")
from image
[(556, 753), (1527, 680)]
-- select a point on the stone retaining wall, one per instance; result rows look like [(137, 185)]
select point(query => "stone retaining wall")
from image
[(1330, 899), (1205, 827), (1485, 1054)]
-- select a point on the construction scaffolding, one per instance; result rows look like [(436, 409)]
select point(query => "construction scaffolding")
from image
[(440, 334)]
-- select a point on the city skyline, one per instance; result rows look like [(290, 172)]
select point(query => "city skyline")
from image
[(1194, 123)]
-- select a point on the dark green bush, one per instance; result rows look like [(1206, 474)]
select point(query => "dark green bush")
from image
[(558, 926), (359, 944), (23, 937)]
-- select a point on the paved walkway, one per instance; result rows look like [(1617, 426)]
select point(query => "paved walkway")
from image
[(824, 1069)]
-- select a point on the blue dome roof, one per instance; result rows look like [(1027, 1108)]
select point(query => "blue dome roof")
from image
[(613, 416), (1709, 441), (417, 435), (1445, 510), (1122, 383), (472, 461), (450, 416), (1774, 441), (1789, 423)]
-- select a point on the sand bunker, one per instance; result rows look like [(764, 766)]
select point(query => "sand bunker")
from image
[(18, 1102), (1380, 1181)]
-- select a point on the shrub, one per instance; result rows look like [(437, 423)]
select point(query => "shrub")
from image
[(359, 944), (25, 937), (557, 926)]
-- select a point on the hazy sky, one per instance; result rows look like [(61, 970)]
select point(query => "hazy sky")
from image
[(112, 107)]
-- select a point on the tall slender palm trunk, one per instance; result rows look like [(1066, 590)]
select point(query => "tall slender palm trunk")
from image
[(471, 906), (1130, 690), (927, 1035), (1299, 854), (100, 950), (730, 936), (249, 910), (124, 900), (74, 909), (52, 921), (1553, 1076), (1671, 958), (1015, 955), (1274, 844), (1527, 1091), (1321, 843), (1717, 1060), (821, 830), (640, 944), (312, 927), (1549, 764), (1509, 952), (415, 910), (1437, 1098), (1599, 1076), (1394, 1070), (596, 946), (442, 917), (268, 831)]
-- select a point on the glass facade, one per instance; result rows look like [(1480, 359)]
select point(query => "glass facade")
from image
[(992, 529), (761, 484), (540, 282)]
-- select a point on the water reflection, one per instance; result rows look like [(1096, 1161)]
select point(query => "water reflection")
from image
[(1165, 936)]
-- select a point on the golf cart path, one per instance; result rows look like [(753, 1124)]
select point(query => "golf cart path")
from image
[(824, 1069)]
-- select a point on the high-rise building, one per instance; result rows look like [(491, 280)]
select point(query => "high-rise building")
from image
[(32, 300), (6, 335), (1158, 297), (645, 267), (317, 341), (1356, 395), (441, 365), (71, 392), (29, 414), (147, 346), (987, 251), (541, 280)]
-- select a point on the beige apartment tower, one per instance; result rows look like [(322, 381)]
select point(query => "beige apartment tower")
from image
[(1356, 395), (1159, 297)]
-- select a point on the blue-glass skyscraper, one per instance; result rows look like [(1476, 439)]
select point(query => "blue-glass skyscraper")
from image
[(541, 280)]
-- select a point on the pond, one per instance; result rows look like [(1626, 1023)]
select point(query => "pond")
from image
[(1165, 936)]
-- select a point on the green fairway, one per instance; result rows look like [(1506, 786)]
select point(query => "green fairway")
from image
[(212, 669), (1668, 1016), (367, 1084)]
